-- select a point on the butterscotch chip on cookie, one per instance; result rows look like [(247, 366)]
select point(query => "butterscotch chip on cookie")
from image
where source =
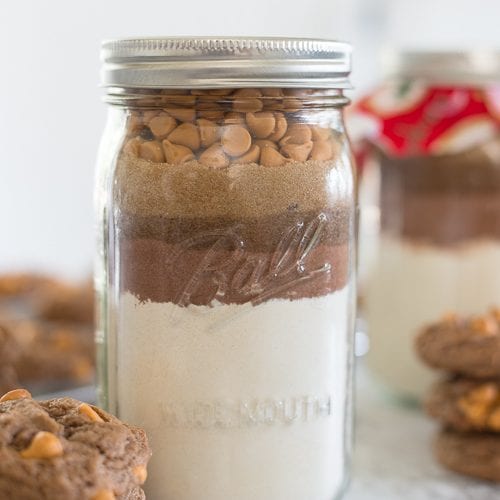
[(63, 449), (472, 454), (466, 346), (466, 404)]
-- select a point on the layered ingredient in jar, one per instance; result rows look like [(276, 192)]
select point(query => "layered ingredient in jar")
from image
[(438, 159), (235, 213), (438, 252)]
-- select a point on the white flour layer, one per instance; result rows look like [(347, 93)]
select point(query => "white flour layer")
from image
[(239, 402), (414, 285)]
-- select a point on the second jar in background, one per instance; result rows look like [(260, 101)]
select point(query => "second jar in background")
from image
[(434, 163)]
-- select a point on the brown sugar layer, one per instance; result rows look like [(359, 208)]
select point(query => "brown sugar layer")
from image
[(442, 200), (193, 190)]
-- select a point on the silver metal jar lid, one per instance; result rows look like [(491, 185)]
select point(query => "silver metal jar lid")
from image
[(225, 62), (467, 67)]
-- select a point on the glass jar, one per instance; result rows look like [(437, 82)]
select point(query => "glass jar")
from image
[(433, 160), (226, 208)]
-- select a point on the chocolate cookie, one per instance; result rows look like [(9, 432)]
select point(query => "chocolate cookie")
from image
[(51, 351), (469, 346), (64, 302), (472, 454), (43, 297), (63, 449), (466, 404), (51, 324), (9, 356), (14, 284)]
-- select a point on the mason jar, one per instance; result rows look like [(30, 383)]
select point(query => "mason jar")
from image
[(432, 168), (225, 263)]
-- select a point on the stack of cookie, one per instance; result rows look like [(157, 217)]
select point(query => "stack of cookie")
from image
[(46, 332), (467, 403)]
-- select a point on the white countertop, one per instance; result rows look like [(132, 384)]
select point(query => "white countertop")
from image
[(393, 455)]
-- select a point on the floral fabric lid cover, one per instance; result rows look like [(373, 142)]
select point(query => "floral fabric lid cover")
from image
[(413, 118)]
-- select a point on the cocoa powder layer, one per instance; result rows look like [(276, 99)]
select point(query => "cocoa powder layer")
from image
[(442, 200), (197, 261), (256, 234), (162, 272), (440, 218)]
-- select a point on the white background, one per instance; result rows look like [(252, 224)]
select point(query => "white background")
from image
[(51, 114)]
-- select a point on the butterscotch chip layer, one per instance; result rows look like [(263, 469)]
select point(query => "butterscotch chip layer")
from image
[(295, 121)]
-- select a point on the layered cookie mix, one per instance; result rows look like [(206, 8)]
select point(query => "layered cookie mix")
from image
[(235, 217), (63, 449), (175, 208), (439, 243)]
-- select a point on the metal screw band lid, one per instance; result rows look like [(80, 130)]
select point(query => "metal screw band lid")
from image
[(225, 62), (468, 67)]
